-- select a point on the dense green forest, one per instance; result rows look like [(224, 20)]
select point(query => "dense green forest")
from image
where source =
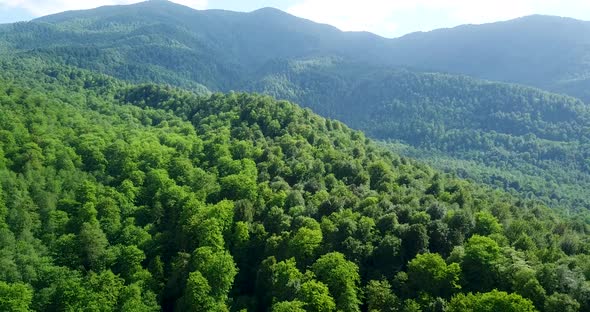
[(121, 197), (517, 138), (128, 182), (523, 140)]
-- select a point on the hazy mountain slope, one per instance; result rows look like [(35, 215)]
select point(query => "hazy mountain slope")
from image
[(543, 51), (548, 52), (240, 41)]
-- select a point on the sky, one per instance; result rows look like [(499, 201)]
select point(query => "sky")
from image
[(388, 18)]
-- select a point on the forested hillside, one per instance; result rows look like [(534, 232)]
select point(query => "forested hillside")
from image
[(527, 141), (118, 197), (517, 138), (547, 52)]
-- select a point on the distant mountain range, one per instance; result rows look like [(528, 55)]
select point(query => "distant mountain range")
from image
[(514, 137), (542, 51)]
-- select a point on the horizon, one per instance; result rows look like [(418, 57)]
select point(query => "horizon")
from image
[(389, 19)]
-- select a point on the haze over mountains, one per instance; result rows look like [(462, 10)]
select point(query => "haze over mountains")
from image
[(498, 51)]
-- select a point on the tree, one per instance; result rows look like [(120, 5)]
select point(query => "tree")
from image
[(461, 223), (218, 268), (288, 306), (388, 255), (526, 284), (561, 303), (134, 299), (316, 297), (102, 291), (414, 241), (486, 224), (480, 261), (342, 278), (305, 243), (197, 295), (380, 297), (429, 273), (285, 280), (93, 245), (490, 302), (15, 297), (438, 233)]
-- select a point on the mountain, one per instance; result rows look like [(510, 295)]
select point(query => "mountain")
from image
[(124, 197), (548, 52), (517, 138)]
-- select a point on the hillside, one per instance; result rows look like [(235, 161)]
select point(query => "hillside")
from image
[(547, 52), (516, 138), (120, 197), (523, 140), (520, 139), (164, 42)]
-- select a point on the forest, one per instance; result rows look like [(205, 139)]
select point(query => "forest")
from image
[(125, 197), (159, 158), (526, 141)]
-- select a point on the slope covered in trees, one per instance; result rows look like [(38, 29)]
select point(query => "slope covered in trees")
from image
[(547, 52), (118, 197), (210, 46), (519, 139)]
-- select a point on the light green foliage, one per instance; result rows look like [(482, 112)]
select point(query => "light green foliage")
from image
[(316, 296), (342, 279), (15, 297), (119, 197), (486, 224), (490, 302), (429, 273), (288, 306), (218, 268), (480, 263), (305, 242), (197, 294)]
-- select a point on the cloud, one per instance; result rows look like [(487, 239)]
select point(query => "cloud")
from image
[(368, 15), (44, 7), (195, 4), (396, 17)]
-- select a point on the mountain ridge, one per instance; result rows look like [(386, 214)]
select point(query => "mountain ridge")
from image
[(493, 51)]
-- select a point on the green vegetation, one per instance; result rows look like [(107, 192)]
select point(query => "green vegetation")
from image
[(531, 143), (520, 139), (119, 197)]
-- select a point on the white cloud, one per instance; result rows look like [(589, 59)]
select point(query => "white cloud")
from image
[(44, 7), (195, 4), (351, 15), (386, 17)]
